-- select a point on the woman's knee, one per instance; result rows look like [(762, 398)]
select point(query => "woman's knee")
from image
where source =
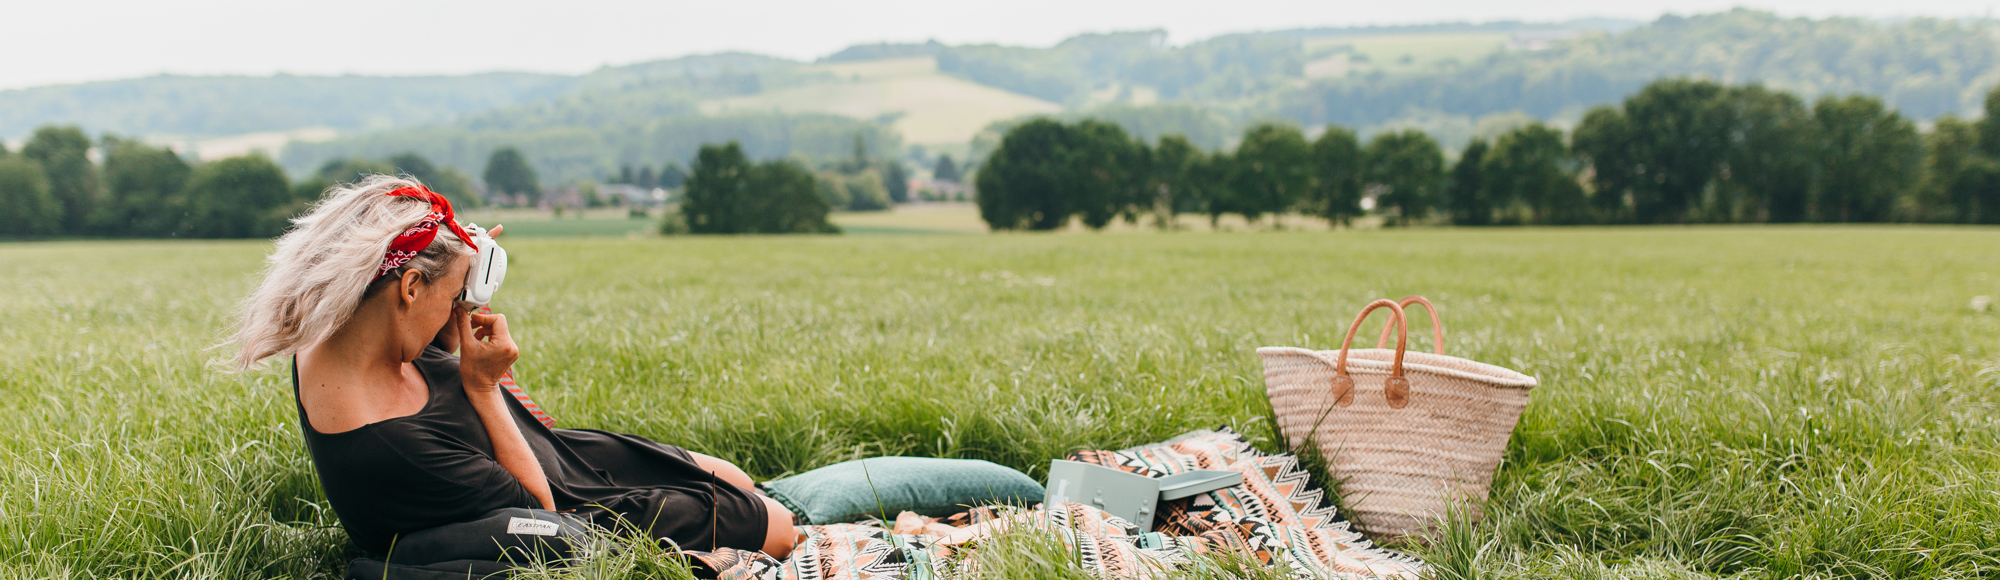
[(725, 471), (780, 536)]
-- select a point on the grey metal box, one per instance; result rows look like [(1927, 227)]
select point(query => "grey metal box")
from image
[(1119, 493), (1129, 495)]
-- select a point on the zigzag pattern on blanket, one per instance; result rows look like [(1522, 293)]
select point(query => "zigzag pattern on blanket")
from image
[(1275, 519), (1276, 515)]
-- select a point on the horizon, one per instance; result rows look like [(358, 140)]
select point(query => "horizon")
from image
[(192, 46)]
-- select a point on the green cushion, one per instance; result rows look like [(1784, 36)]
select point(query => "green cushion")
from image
[(886, 486)]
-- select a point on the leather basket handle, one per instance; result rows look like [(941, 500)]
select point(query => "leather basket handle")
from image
[(1437, 326), (1395, 388)]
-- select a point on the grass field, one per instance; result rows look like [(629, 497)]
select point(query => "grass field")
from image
[(1730, 402)]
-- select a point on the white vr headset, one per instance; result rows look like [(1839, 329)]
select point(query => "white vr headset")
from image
[(489, 268)]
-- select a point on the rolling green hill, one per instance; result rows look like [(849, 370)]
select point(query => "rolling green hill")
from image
[(926, 107), (1447, 79)]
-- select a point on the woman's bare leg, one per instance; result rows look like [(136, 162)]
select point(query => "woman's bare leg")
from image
[(725, 471), (780, 536)]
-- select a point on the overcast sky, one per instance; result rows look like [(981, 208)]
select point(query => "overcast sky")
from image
[(83, 40)]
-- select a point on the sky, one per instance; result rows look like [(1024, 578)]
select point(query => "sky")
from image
[(85, 40)]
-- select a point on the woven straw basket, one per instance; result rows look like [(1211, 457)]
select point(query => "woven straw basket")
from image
[(1410, 437)]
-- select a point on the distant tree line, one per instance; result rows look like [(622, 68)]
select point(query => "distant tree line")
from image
[(1046, 172), (670, 176), (1678, 151), (54, 187), (631, 134)]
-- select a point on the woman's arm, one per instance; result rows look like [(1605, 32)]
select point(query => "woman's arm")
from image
[(485, 353)]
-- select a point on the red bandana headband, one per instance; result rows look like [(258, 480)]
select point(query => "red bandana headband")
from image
[(420, 236)]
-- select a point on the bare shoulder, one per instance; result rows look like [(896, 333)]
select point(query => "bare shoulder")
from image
[(338, 399)]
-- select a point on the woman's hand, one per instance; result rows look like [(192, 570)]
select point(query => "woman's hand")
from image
[(485, 350)]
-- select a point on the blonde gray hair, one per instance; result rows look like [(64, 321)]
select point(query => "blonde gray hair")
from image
[(325, 265)]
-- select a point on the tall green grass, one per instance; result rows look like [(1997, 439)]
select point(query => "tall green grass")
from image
[(1756, 402)]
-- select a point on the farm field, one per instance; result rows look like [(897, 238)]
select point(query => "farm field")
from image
[(1716, 402), (927, 107)]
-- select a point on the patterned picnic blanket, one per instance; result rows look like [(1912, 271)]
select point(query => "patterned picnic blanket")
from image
[(1274, 519)]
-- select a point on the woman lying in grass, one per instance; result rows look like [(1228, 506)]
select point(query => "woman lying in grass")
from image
[(362, 292)]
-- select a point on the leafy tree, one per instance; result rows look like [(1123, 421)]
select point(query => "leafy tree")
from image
[(238, 197), (1172, 187), (897, 181), (786, 201), (446, 181), (1680, 129), (1209, 177), (1273, 171), (508, 173), (1770, 159), (1959, 179), (945, 170), (62, 152), (1407, 167), (1989, 125), (717, 190), (857, 161), (1531, 166), (727, 194), (1869, 154), (672, 175), (1109, 169), (1470, 203), (1336, 167), (1027, 183), (1604, 141), (832, 187), (27, 208), (646, 178), (859, 192), (144, 190)]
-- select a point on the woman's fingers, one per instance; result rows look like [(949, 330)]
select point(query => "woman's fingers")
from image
[(492, 335), (492, 326), (495, 232), (463, 320), (498, 329), (485, 349)]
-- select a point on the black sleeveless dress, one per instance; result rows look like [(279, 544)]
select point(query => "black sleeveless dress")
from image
[(437, 467)]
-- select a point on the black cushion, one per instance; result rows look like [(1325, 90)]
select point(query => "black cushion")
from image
[(503, 535), (366, 569)]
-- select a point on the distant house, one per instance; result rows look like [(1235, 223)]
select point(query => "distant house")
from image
[(942, 191), (633, 195)]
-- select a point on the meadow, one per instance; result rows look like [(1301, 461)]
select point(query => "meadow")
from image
[(925, 106), (1717, 402)]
